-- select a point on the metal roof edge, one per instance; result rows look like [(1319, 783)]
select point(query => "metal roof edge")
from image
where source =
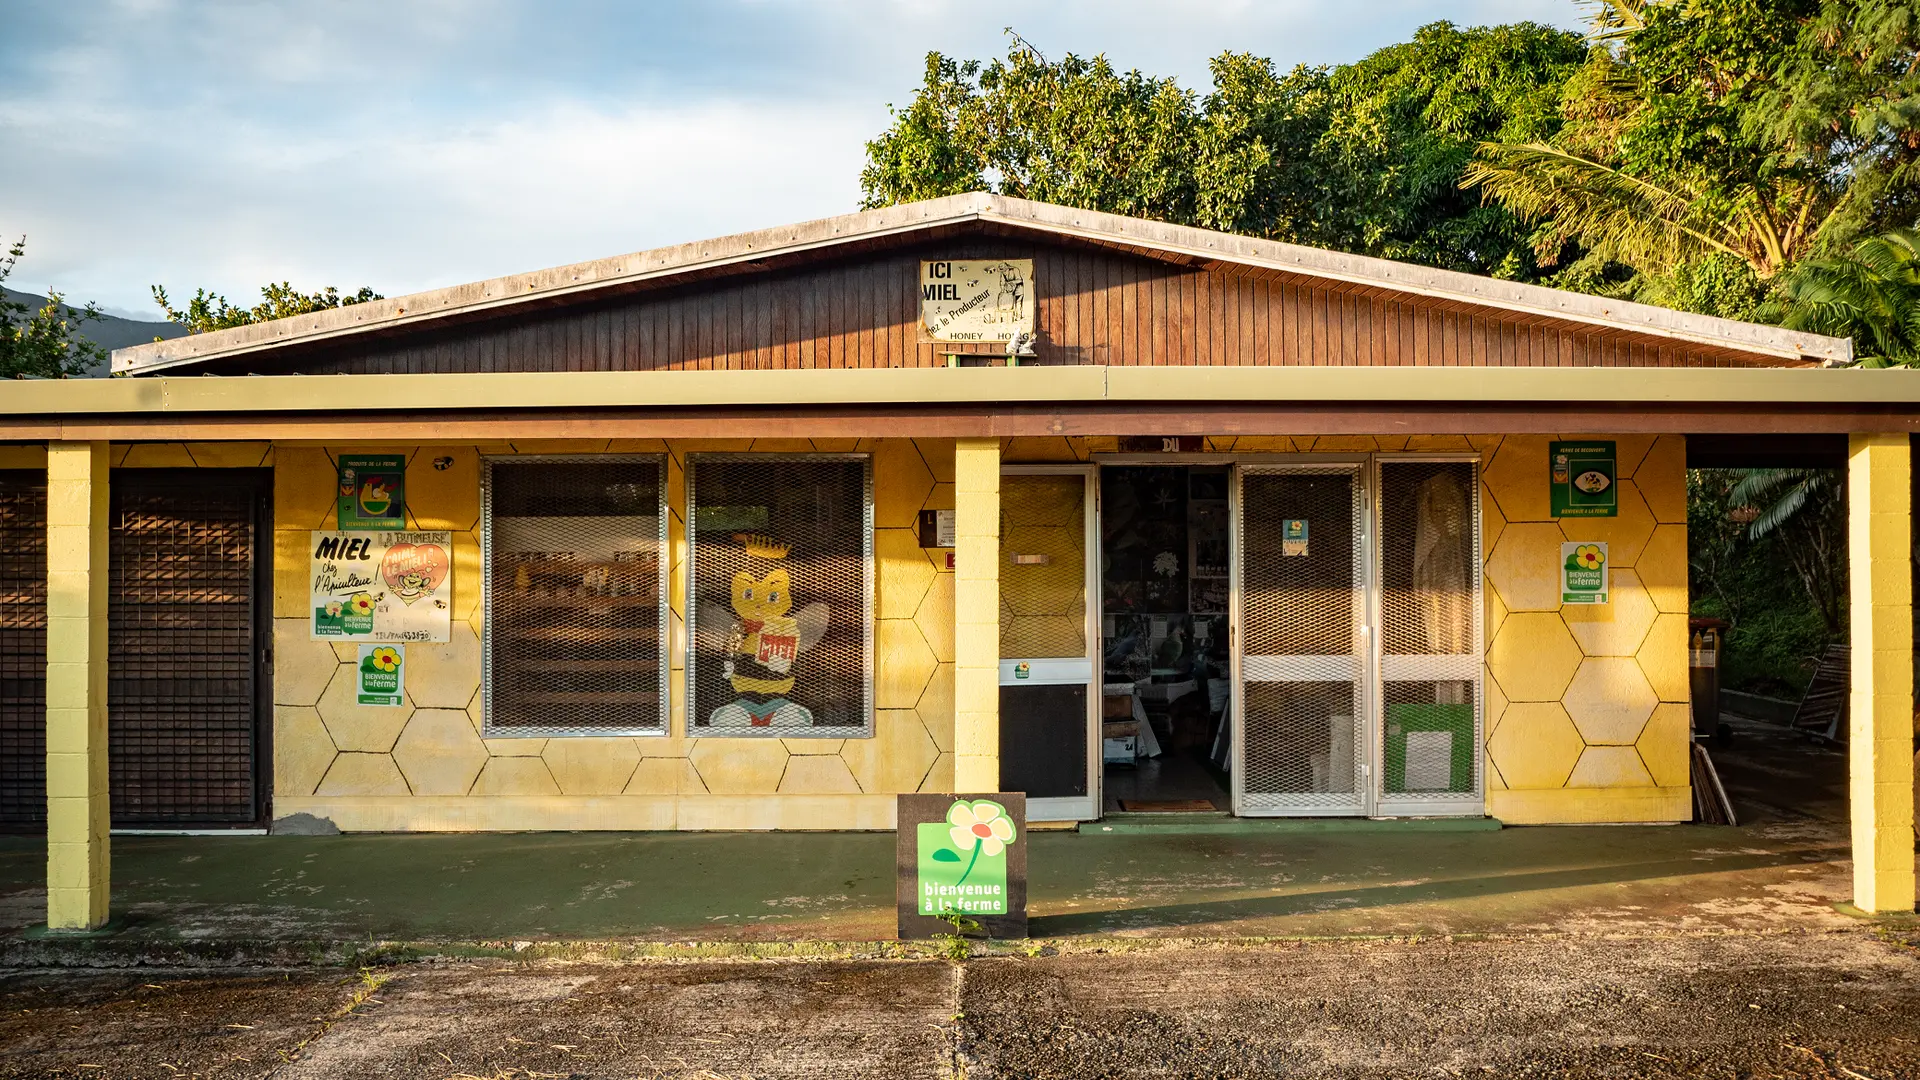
[(512, 289), (1518, 297), (1446, 285)]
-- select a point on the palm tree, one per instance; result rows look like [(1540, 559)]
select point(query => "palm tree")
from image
[(1683, 140), (1803, 505), (1766, 221), (1871, 294)]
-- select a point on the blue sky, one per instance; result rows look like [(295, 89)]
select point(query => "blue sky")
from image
[(409, 144)]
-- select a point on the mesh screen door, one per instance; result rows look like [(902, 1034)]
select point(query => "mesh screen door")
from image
[(1429, 575), (1046, 666), (1301, 743), (780, 595), (575, 626), (182, 647)]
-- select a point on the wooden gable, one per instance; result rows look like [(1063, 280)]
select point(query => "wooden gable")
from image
[(857, 306)]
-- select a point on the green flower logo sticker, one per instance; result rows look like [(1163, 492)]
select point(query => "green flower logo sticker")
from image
[(1586, 557), (360, 604), (963, 860), (380, 675)]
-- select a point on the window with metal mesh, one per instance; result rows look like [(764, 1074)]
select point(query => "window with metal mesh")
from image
[(23, 651), (1429, 629), (182, 649), (575, 629), (1301, 651), (1043, 566), (780, 595)]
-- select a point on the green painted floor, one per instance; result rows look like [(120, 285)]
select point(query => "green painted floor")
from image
[(840, 886), (1785, 868)]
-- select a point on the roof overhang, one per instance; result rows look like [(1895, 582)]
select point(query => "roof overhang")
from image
[(983, 386), (744, 251)]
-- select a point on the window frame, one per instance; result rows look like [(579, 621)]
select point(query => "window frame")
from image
[(690, 705), (662, 643)]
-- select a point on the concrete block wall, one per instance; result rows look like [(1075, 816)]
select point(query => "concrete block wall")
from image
[(425, 766), (1586, 714), (1587, 706)]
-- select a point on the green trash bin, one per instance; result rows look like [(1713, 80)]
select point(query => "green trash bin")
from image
[(1705, 639)]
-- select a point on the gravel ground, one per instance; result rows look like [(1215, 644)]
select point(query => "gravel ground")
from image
[(1836, 1005)]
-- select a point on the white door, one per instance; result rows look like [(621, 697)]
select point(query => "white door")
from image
[(1429, 631), (1049, 691), (1301, 731)]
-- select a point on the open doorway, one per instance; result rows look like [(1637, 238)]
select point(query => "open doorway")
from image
[(1165, 588)]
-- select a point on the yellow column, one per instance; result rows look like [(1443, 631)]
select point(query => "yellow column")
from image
[(1880, 739), (976, 615), (76, 685)]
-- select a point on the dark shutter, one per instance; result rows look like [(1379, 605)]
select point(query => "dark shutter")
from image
[(183, 636), (23, 651), (185, 731)]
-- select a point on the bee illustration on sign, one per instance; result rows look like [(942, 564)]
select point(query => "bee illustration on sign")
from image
[(412, 571), (764, 640), (1010, 295)]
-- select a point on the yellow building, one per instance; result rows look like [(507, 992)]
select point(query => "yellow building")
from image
[(973, 494)]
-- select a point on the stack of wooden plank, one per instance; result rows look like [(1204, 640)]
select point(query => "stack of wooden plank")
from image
[(1823, 710)]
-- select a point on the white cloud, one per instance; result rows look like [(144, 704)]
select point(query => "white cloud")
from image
[(409, 206), (412, 145)]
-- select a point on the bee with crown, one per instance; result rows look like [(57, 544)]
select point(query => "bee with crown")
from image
[(764, 639)]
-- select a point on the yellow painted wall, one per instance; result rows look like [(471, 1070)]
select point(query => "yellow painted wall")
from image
[(1586, 707), (425, 765), (1587, 714)]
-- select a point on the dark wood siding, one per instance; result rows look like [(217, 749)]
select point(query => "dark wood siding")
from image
[(1097, 305)]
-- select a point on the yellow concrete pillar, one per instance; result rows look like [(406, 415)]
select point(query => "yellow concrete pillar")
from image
[(1880, 739), (76, 685), (976, 615)]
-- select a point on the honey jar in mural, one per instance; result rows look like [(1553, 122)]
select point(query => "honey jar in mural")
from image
[(765, 639)]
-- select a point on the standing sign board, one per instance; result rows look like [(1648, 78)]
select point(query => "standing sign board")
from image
[(963, 856), (1583, 573), (1582, 480), (373, 492), (381, 586), (986, 301)]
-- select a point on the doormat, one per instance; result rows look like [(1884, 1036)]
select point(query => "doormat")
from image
[(1167, 806)]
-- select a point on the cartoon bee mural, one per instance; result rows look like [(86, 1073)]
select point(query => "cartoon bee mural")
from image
[(762, 638)]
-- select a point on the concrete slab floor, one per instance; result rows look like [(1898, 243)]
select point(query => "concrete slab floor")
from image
[(1783, 868), (1834, 1005)]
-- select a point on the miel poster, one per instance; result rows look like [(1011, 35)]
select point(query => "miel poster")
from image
[(381, 586)]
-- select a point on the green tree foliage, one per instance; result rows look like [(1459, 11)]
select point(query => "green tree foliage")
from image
[(1780, 622), (210, 311), (1366, 157), (1871, 294), (1709, 140), (46, 343)]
